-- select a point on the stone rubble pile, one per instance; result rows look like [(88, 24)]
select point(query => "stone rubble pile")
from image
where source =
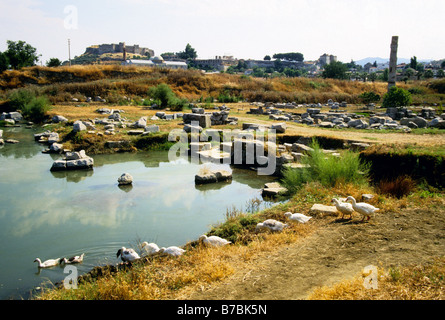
[(394, 118)]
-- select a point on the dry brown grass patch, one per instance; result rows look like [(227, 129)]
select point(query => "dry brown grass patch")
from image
[(414, 282)]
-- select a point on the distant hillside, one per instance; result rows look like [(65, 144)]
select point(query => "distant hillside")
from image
[(364, 61)]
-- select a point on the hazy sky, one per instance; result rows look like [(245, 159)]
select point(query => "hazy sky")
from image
[(349, 29)]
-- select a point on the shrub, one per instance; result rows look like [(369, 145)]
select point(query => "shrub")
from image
[(161, 93), (438, 85), (19, 98), (327, 169), (396, 97), (177, 104), (228, 98), (36, 109), (399, 187), (32, 108), (369, 97), (164, 97)]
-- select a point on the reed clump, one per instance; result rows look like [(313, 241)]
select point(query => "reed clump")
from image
[(326, 169)]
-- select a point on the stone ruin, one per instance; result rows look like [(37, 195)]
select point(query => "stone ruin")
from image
[(207, 119)]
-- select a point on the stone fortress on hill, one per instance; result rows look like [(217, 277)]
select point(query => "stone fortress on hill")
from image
[(119, 48)]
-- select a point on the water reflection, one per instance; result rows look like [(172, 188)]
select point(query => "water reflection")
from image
[(73, 176), (125, 187), (49, 214)]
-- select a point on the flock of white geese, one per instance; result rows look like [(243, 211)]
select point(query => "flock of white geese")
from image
[(129, 255)]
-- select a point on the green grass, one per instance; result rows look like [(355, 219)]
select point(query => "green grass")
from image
[(326, 169)]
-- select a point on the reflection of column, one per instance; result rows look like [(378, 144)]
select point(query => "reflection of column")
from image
[(393, 62)]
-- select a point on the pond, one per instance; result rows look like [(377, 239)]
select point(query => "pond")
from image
[(47, 215)]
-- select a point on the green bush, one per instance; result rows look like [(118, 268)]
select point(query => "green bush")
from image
[(396, 97), (19, 98), (36, 109), (369, 97), (326, 169), (164, 97), (161, 93), (32, 108), (227, 98), (177, 104)]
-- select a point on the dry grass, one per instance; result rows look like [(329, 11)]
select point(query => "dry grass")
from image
[(415, 282), (105, 80), (175, 278), (398, 187)]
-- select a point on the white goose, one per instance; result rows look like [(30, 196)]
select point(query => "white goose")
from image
[(213, 241), (364, 208), (150, 248), (172, 251), (127, 255), (343, 207), (271, 224), (75, 259), (297, 217), (48, 263)]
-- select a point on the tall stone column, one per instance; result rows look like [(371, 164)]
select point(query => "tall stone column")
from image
[(393, 62)]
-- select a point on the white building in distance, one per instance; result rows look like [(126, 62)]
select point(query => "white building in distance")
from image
[(156, 61)]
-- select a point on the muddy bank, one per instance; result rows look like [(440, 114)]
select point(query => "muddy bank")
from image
[(423, 168)]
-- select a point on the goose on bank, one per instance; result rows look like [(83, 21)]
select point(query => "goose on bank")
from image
[(213, 241), (297, 217), (270, 224), (172, 251), (364, 208), (149, 248), (343, 207), (127, 255)]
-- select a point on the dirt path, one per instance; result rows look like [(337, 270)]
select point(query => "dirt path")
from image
[(340, 249)]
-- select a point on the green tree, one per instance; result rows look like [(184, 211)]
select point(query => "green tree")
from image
[(440, 73), (278, 65), (20, 54), (428, 74), (410, 72), (267, 57), (4, 63), (413, 63), (372, 76), (385, 75), (420, 67), (188, 53), (53, 62), (292, 56), (335, 70), (292, 72), (396, 97)]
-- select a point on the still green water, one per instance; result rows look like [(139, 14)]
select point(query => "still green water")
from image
[(47, 215)]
